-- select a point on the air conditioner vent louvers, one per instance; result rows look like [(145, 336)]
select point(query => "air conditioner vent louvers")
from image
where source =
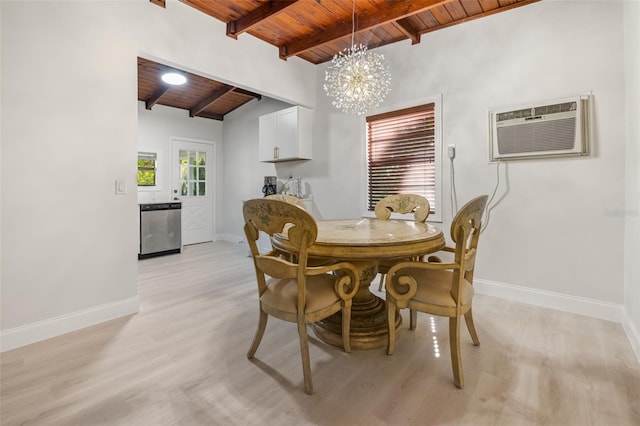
[(554, 109), (541, 130), (531, 137), (512, 115)]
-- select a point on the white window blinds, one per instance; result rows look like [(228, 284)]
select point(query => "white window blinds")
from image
[(401, 154)]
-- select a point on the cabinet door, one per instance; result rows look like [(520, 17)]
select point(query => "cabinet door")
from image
[(268, 138), (287, 131)]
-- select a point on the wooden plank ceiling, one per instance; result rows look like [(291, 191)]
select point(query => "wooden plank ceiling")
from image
[(201, 96), (312, 30)]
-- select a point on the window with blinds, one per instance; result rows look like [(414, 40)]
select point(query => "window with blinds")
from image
[(401, 151)]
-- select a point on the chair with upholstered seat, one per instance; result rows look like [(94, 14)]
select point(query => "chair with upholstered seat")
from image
[(402, 204), (295, 291), (438, 288)]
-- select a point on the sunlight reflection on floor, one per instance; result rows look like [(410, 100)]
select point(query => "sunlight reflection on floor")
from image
[(436, 346)]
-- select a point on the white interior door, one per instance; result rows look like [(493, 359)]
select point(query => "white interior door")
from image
[(192, 177)]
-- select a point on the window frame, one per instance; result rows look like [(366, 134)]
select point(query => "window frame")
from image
[(196, 179), (438, 215), (157, 186)]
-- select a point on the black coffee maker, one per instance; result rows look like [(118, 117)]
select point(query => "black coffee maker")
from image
[(270, 185)]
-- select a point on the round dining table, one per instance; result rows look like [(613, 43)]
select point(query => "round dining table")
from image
[(364, 242)]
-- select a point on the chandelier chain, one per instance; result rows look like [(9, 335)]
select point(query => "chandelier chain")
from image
[(353, 23)]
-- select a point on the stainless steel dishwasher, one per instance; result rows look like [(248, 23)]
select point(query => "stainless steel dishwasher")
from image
[(160, 229)]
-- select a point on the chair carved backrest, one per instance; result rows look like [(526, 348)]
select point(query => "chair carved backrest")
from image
[(403, 203), (271, 217), (288, 199), (465, 232)]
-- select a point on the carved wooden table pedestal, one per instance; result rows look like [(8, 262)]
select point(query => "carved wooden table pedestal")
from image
[(364, 242), (368, 316)]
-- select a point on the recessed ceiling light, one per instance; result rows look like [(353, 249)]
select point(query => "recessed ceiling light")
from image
[(174, 78)]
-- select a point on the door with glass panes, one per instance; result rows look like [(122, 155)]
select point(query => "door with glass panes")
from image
[(192, 184)]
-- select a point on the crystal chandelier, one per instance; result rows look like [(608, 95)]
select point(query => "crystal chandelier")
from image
[(357, 80)]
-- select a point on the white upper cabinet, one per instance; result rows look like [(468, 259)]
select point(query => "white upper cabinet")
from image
[(286, 135)]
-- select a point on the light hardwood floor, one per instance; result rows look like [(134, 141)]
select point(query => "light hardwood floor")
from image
[(182, 361)]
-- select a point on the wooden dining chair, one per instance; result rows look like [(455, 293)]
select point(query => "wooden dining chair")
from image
[(295, 291), (311, 261), (287, 199), (437, 288), (402, 204)]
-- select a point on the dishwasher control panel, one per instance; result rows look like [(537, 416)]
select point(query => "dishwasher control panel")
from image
[(160, 206)]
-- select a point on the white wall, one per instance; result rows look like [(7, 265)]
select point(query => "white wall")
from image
[(69, 131), (555, 236), (632, 211), (155, 130), (552, 230), (243, 173)]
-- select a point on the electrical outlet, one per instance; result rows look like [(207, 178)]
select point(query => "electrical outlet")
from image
[(451, 151)]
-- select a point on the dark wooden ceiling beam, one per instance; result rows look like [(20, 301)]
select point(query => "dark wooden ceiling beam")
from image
[(214, 96), (213, 116), (407, 29), (267, 10), (248, 93), (160, 3), (149, 103), (393, 12)]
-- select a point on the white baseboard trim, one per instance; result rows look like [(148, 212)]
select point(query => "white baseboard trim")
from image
[(549, 299), (41, 330), (230, 238), (562, 302), (632, 334)]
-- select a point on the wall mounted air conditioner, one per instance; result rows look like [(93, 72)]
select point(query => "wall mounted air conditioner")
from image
[(545, 129)]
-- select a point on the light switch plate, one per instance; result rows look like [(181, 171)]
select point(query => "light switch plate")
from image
[(121, 187)]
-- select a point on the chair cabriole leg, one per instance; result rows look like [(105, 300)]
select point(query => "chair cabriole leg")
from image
[(391, 324), (262, 324), (454, 343), (306, 360), (346, 326), (468, 319), (381, 286), (413, 319)]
